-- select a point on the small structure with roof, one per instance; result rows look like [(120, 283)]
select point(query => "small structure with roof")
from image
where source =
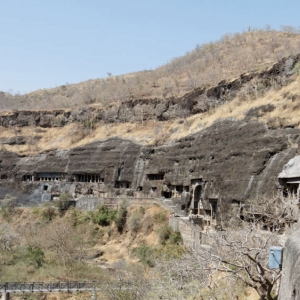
[(289, 178)]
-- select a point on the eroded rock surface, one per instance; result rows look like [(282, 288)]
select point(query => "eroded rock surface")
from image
[(222, 166)]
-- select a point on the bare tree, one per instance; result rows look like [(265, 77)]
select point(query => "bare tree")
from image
[(7, 237), (242, 254), (127, 283), (65, 241)]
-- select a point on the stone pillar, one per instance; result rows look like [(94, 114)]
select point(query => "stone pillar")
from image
[(5, 296)]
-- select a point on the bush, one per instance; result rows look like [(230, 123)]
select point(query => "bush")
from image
[(121, 217), (64, 202), (8, 206), (134, 222), (48, 214), (167, 235), (142, 210), (164, 233), (89, 124), (144, 254), (104, 216), (160, 217), (175, 238), (79, 217), (35, 254)]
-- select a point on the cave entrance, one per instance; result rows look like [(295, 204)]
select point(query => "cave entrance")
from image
[(213, 204), (158, 176), (293, 189), (197, 196), (27, 178), (179, 189), (167, 195)]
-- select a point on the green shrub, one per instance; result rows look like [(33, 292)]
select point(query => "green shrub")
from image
[(167, 235), (103, 216), (175, 238), (160, 217), (89, 124), (144, 254), (36, 255), (142, 210), (64, 202), (164, 233), (121, 217), (169, 251), (79, 217), (48, 214)]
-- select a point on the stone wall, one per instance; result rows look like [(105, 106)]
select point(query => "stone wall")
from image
[(290, 282), (91, 203), (191, 234)]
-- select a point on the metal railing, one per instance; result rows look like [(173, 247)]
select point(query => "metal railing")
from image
[(70, 286)]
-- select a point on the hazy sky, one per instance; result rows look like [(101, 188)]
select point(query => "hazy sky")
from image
[(46, 43)]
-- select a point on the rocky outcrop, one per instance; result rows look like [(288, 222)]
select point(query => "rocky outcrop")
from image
[(227, 163), (138, 110)]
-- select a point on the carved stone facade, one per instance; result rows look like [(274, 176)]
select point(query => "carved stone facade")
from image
[(207, 173)]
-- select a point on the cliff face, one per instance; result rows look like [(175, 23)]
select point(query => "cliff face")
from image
[(227, 163), (213, 171)]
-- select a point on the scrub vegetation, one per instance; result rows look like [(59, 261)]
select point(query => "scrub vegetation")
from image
[(78, 245), (204, 66)]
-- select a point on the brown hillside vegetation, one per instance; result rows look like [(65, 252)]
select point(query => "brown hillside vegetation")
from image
[(48, 244), (204, 66), (277, 108)]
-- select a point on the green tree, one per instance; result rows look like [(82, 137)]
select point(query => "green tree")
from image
[(104, 216)]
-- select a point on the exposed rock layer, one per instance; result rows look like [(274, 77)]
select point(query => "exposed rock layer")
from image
[(232, 160), (137, 110)]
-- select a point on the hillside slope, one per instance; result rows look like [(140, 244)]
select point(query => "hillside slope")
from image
[(203, 67)]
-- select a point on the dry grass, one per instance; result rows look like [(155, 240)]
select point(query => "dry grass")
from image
[(286, 112), (206, 65)]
